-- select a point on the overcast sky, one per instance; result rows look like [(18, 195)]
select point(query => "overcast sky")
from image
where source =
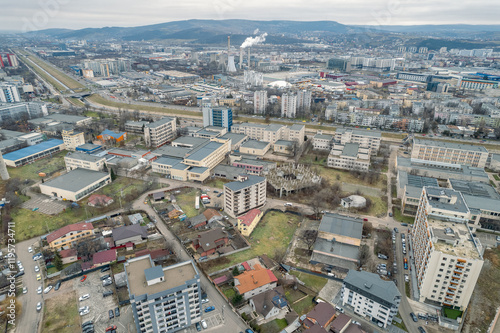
[(74, 14)]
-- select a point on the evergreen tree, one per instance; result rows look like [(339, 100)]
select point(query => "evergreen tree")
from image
[(58, 261), (113, 176)]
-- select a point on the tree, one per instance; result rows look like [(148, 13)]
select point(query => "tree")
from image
[(309, 237), (237, 299), (236, 271), (58, 261), (112, 174), (364, 254), (367, 228)]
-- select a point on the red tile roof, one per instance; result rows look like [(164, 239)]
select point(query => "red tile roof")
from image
[(69, 228), (98, 199), (246, 265), (67, 253), (253, 279), (104, 257), (248, 218)]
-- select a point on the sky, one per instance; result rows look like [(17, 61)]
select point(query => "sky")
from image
[(28, 15)]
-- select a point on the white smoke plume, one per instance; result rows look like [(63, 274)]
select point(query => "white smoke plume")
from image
[(256, 31), (251, 41)]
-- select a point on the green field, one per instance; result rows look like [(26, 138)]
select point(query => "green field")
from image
[(452, 313), (48, 165), (393, 135), (273, 232), (60, 314), (186, 201), (121, 185), (378, 207), (274, 326), (398, 216), (303, 306), (217, 182), (313, 282)]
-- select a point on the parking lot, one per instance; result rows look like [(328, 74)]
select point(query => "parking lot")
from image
[(214, 319), (99, 305)]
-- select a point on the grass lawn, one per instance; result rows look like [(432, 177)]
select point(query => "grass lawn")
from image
[(402, 325), (98, 99), (393, 135), (44, 75), (398, 216), (496, 177), (75, 102), (274, 326), (230, 293), (452, 313), (48, 164), (303, 306), (59, 75), (186, 201), (217, 182), (346, 177), (313, 282), (313, 158), (127, 185), (407, 289), (60, 314), (273, 232), (492, 183), (30, 224), (293, 295)]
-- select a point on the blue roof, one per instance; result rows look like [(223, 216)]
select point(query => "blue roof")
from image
[(32, 150), (113, 134), (154, 272)]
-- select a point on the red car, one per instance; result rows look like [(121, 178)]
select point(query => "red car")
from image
[(366, 220), (110, 328), (83, 278)]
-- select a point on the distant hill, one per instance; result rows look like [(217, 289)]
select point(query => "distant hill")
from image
[(280, 31)]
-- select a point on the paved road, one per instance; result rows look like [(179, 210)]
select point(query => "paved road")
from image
[(232, 321)]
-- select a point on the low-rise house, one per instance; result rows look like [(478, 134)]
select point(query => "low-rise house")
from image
[(212, 215), (208, 242), (322, 142), (322, 315), (315, 329), (99, 200), (340, 323), (255, 281), (108, 135), (134, 233), (68, 256), (248, 222), (104, 258), (197, 221), (270, 303), (254, 147), (69, 235)]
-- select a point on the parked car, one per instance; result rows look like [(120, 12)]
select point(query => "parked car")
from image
[(396, 230), (204, 324), (107, 293), (84, 297), (105, 269), (248, 330), (421, 329), (38, 277), (210, 308), (356, 322), (382, 256), (218, 195), (215, 191), (407, 278), (87, 323), (58, 285), (37, 269), (25, 290), (111, 314), (117, 312), (83, 278), (37, 256), (205, 300), (39, 290), (38, 306), (104, 277), (84, 312), (30, 249), (404, 224), (365, 220), (198, 327), (49, 288), (413, 317), (110, 328), (107, 282), (83, 308)]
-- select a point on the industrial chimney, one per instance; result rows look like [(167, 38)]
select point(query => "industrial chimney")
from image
[(241, 58), (248, 58)]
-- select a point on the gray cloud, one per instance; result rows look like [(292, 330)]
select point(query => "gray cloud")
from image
[(43, 14)]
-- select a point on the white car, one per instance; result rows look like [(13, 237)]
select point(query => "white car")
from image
[(84, 297), (205, 300), (37, 269), (84, 312), (204, 324), (25, 290), (49, 288), (83, 308), (39, 290), (39, 306), (356, 322), (30, 249), (407, 278)]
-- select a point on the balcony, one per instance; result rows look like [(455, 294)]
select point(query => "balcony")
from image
[(460, 265), (456, 276)]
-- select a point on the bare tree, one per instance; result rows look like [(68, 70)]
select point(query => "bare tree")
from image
[(309, 237)]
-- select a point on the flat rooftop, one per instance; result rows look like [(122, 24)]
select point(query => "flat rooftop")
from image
[(449, 145), (446, 199), (453, 239), (174, 276), (32, 150), (76, 179)]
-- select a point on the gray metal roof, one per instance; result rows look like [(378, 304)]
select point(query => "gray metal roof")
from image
[(375, 134), (160, 122), (273, 127), (191, 140), (198, 170), (284, 143), (336, 248), (254, 144), (251, 180), (458, 206), (297, 127), (464, 170), (324, 137), (170, 151), (234, 137), (413, 192), (406, 179), (201, 152), (482, 203), (450, 145), (373, 287), (180, 166), (76, 180), (341, 225), (476, 189), (84, 157), (153, 273), (169, 161)]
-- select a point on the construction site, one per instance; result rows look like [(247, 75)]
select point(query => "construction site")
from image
[(292, 178)]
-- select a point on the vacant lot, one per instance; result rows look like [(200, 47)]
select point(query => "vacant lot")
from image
[(303, 306), (398, 216), (47, 165), (60, 314), (122, 186), (186, 201), (273, 233), (98, 99), (313, 282)]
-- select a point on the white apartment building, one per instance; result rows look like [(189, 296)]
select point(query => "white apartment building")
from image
[(322, 141), (304, 99), (73, 139), (163, 299), (271, 133), (9, 93), (349, 157), (449, 152), (84, 161), (288, 105), (365, 138), (370, 296), (259, 101), (243, 195), (157, 133), (448, 258)]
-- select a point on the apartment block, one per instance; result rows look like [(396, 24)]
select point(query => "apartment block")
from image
[(73, 139), (218, 116), (243, 195), (271, 133), (365, 138), (288, 105), (349, 157), (370, 296), (448, 258), (449, 152), (163, 299), (84, 161), (158, 133), (9, 93), (259, 101), (68, 236), (322, 141)]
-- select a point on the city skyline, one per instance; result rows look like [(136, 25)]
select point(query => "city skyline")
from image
[(63, 14)]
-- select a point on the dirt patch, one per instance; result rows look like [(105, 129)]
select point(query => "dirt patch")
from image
[(61, 314)]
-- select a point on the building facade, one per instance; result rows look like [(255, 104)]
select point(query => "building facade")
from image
[(67, 237), (370, 296), (73, 139), (244, 195), (349, 157), (84, 161), (365, 138), (259, 101), (158, 133), (288, 105), (448, 258), (163, 299), (9, 93), (449, 153), (218, 116)]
